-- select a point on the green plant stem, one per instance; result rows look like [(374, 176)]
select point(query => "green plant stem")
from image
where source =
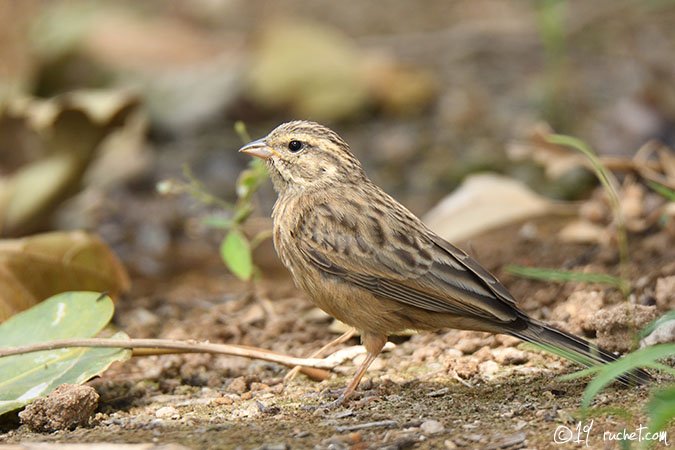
[(609, 184), (260, 237)]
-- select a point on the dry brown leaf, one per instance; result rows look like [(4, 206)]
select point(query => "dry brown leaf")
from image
[(66, 133), (580, 231), (483, 202), (656, 162), (35, 268), (667, 159)]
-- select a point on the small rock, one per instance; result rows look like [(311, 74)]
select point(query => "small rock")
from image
[(507, 341), (484, 354), (277, 446), (452, 353), (510, 356), (465, 367), (246, 411), (488, 368), (68, 406), (449, 445), (617, 325), (512, 441), (471, 345), (665, 293), (238, 385), (167, 412), (257, 386), (578, 310), (438, 393), (432, 427), (664, 333)]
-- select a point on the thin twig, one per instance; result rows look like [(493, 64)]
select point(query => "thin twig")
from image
[(311, 366), (321, 352)]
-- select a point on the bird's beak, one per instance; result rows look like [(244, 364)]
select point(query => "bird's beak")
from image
[(258, 148)]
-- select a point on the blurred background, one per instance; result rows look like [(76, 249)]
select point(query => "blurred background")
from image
[(101, 100)]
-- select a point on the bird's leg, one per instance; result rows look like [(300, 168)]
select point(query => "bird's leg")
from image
[(343, 338), (374, 344)]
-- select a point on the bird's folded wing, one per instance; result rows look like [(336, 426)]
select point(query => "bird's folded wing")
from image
[(421, 271)]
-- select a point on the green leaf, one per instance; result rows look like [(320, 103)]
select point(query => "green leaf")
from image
[(217, 222), (242, 132), (236, 252), (661, 408), (665, 191), (644, 357), (25, 377), (250, 179), (537, 273), (651, 326)]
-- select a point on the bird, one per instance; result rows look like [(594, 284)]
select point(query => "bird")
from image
[(366, 260)]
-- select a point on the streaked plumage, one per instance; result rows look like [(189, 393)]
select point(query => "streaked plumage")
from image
[(369, 262)]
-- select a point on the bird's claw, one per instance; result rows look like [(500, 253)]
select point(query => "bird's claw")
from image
[(340, 401)]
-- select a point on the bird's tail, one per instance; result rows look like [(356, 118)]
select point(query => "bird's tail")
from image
[(575, 349)]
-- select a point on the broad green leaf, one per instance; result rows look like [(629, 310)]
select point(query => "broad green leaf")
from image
[(236, 252), (68, 315)]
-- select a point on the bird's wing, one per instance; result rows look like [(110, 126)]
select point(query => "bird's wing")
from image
[(394, 256)]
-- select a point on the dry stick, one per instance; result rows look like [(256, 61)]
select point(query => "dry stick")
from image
[(321, 352), (310, 366)]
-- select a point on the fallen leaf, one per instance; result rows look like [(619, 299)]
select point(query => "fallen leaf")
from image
[(66, 132), (483, 202), (581, 231), (26, 377), (34, 268)]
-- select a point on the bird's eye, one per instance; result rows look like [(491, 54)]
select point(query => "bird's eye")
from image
[(295, 146)]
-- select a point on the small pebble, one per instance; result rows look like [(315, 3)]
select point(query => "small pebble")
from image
[(438, 393), (167, 412), (509, 355), (238, 385), (432, 427), (488, 368), (450, 445)]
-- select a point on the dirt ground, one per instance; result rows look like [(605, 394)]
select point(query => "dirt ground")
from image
[(451, 389)]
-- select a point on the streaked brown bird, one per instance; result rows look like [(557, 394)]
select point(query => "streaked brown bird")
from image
[(369, 262)]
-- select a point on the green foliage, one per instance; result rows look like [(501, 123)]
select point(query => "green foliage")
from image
[(564, 276), (661, 408), (236, 248), (664, 191), (604, 374), (551, 17), (23, 378), (653, 325), (236, 252), (609, 183)]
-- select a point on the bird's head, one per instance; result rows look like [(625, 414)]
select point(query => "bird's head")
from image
[(302, 156)]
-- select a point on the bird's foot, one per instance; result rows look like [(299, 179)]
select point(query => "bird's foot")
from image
[(337, 394), (338, 402)]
